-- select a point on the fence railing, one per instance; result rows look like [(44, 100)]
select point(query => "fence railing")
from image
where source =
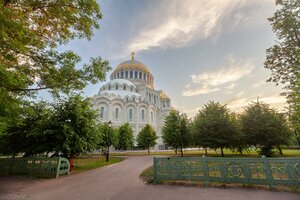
[(35, 166), (258, 171)]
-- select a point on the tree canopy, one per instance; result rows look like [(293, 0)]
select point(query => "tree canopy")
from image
[(146, 138), (283, 58), (124, 137), (176, 132), (214, 127), (264, 127), (67, 128), (31, 31)]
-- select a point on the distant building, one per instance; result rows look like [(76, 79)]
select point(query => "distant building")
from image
[(130, 97)]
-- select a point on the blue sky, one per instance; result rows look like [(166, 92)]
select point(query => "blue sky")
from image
[(197, 50)]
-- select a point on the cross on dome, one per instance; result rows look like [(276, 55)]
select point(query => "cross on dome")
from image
[(132, 56)]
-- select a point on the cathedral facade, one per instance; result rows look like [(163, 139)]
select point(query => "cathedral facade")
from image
[(130, 97)]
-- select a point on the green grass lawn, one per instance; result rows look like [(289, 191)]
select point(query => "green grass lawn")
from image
[(82, 164), (211, 153)]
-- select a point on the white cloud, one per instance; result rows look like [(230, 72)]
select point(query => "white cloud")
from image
[(208, 82), (196, 91), (258, 84), (230, 87), (241, 93), (180, 23), (238, 104)]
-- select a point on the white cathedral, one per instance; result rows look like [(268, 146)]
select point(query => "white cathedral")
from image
[(130, 97)]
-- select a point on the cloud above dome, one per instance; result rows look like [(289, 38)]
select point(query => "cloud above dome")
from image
[(181, 23)]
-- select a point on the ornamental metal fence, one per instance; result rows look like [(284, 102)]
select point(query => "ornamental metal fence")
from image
[(35, 166), (258, 171)]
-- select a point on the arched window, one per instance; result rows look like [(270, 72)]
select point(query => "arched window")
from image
[(140, 75), (164, 105), (126, 74), (117, 113), (131, 74), (131, 89), (135, 74), (102, 112), (144, 76), (124, 87), (117, 87), (133, 98), (147, 77), (122, 74), (143, 114), (154, 99), (115, 76), (130, 114), (118, 75), (150, 98), (109, 87), (151, 116)]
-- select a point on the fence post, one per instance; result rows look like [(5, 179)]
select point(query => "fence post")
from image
[(58, 168), (205, 171), (155, 181), (268, 172)]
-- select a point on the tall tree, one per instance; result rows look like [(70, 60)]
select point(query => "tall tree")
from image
[(147, 138), (105, 135), (175, 131), (124, 138), (283, 58), (215, 127), (29, 62), (264, 127), (29, 136), (66, 127)]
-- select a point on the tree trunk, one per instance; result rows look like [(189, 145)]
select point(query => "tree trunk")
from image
[(222, 152), (241, 151), (297, 137), (280, 150), (181, 150), (148, 150), (205, 150)]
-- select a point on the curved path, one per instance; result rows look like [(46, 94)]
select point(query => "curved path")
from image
[(121, 181)]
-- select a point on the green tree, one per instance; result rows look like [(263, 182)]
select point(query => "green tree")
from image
[(124, 137), (28, 133), (294, 110), (239, 143), (105, 135), (147, 138), (283, 58), (214, 127), (264, 127), (176, 132), (74, 124), (31, 30), (66, 127)]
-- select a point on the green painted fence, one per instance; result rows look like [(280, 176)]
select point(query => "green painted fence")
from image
[(35, 166), (259, 171)]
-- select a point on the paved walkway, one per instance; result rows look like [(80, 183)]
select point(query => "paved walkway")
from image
[(121, 181)]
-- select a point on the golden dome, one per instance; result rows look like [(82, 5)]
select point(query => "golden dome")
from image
[(163, 95), (132, 64)]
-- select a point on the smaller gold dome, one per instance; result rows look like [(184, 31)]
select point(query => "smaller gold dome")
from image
[(163, 95)]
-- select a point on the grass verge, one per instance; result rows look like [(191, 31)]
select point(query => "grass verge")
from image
[(82, 164), (211, 153)]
